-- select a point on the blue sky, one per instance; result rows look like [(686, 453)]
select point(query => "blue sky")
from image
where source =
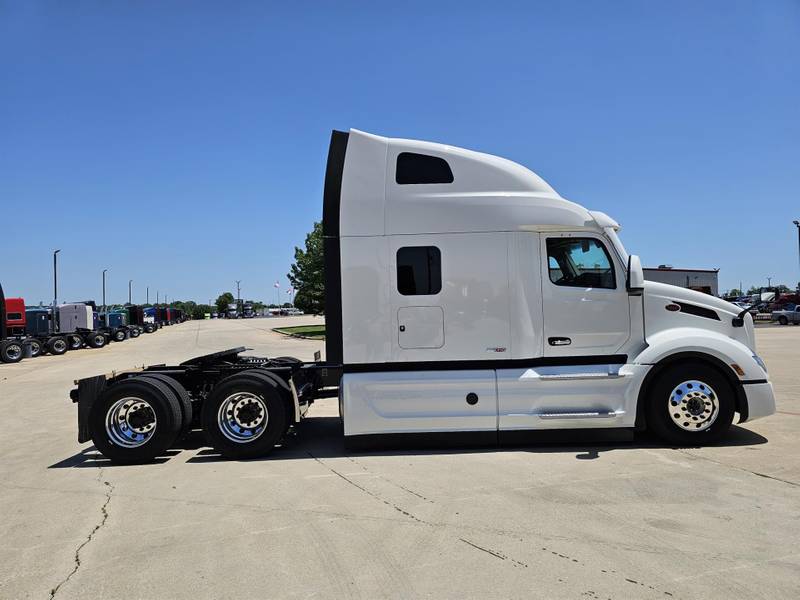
[(183, 144)]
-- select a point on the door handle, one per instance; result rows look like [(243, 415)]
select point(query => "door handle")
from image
[(559, 341)]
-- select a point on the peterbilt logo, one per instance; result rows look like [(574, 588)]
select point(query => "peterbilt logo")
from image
[(498, 349)]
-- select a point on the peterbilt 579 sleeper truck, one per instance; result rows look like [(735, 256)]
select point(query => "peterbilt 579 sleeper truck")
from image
[(464, 297)]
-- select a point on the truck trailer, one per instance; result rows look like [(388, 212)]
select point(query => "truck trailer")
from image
[(465, 298)]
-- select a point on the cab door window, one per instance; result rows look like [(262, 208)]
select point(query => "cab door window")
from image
[(580, 262)]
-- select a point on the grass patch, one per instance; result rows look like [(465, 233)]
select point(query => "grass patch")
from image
[(310, 332)]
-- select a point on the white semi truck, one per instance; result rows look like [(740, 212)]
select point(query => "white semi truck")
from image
[(464, 298)]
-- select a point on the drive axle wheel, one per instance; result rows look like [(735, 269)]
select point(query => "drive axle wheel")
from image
[(57, 345), (118, 336), (11, 351), (135, 332), (691, 404), (96, 340), (36, 347), (135, 420), (74, 341), (245, 416)]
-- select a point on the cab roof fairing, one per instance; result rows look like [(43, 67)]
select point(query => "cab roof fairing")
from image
[(488, 194)]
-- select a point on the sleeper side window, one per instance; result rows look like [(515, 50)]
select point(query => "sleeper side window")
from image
[(415, 168), (419, 270), (15, 316), (580, 262)]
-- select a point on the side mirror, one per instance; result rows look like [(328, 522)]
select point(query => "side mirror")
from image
[(634, 282)]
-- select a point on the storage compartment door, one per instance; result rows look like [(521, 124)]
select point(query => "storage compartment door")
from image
[(420, 327)]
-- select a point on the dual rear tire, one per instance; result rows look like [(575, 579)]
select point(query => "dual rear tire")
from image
[(95, 339), (136, 420), (57, 345), (74, 341), (11, 351), (246, 414)]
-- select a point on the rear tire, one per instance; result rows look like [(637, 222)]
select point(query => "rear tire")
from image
[(36, 347), (135, 332), (783, 320), (135, 420), (118, 335), (690, 404), (181, 394), (74, 341), (245, 416), (57, 345), (11, 351), (96, 340)]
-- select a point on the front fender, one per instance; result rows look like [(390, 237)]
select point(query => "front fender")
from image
[(682, 340)]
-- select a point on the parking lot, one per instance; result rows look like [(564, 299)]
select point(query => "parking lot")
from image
[(625, 520)]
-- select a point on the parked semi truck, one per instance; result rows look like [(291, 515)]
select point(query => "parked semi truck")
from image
[(80, 321), (138, 318), (464, 298), (33, 328)]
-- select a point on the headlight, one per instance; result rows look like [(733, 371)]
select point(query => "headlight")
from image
[(760, 362)]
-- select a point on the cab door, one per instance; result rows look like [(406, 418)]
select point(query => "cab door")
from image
[(585, 304)]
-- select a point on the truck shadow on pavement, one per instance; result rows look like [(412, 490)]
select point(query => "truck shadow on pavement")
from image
[(321, 438)]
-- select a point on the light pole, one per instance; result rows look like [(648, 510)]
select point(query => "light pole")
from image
[(104, 289), (156, 297), (55, 289), (797, 224), (130, 281), (148, 295), (238, 295), (769, 282)]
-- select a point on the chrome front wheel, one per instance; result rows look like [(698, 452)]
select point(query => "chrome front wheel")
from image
[(693, 405)]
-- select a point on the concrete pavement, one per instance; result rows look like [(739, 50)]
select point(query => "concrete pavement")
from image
[(627, 520)]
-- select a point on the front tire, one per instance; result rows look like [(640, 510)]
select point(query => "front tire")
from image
[(118, 335), (690, 404), (245, 416), (135, 420)]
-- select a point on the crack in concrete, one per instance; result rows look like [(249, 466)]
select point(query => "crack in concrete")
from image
[(494, 553), (744, 470), (372, 494), (90, 537)]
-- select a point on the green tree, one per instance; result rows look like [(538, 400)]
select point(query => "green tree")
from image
[(223, 301), (307, 275), (753, 290), (735, 292)]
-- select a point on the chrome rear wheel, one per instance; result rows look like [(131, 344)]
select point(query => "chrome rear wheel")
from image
[(243, 417), (131, 422)]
